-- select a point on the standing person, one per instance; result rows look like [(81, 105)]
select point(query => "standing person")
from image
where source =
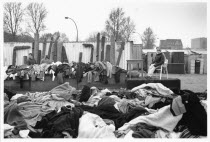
[(46, 60), (31, 60), (159, 60)]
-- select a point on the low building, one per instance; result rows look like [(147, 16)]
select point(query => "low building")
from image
[(174, 44)]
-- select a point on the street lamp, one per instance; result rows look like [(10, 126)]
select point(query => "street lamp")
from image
[(75, 25)]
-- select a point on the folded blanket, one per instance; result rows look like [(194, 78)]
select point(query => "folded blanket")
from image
[(164, 91), (63, 91), (13, 117)]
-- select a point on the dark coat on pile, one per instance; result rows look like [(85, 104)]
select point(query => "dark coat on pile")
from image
[(195, 117), (108, 111), (85, 94), (10, 93), (143, 130), (53, 124)]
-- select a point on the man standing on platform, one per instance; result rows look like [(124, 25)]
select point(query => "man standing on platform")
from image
[(159, 60)]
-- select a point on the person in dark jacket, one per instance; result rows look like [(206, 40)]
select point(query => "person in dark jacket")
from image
[(159, 60), (31, 60)]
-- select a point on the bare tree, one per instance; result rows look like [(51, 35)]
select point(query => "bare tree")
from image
[(13, 15), (128, 29), (46, 36), (148, 39), (115, 23), (64, 37), (119, 26), (37, 14), (93, 36)]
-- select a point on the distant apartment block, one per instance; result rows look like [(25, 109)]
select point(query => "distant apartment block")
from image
[(199, 43), (175, 44)]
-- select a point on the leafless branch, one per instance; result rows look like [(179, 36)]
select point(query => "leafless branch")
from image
[(119, 25), (13, 14), (36, 13)]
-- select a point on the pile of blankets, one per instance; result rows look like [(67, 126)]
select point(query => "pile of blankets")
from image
[(147, 111)]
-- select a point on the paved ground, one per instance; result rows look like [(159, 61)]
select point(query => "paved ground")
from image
[(194, 82)]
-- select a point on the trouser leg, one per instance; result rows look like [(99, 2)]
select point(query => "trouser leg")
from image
[(151, 70)]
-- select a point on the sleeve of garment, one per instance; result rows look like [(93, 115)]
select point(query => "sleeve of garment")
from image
[(138, 87), (161, 61), (153, 61)]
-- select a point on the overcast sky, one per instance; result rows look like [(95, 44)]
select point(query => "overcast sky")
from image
[(169, 20)]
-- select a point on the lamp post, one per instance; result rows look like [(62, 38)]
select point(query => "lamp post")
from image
[(75, 25)]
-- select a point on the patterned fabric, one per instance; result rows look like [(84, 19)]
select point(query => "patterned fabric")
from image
[(186, 134)]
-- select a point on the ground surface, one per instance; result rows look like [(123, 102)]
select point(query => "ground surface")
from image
[(194, 82)]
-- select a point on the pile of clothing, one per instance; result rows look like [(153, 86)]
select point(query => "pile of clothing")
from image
[(97, 71), (147, 111)]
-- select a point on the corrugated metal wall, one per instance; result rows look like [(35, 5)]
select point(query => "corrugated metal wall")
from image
[(126, 54), (20, 54), (72, 51), (8, 52), (205, 63)]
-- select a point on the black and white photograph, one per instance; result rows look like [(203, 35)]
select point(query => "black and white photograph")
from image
[(103, 69)]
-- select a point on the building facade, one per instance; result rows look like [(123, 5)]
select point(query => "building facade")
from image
[(174, 44), (199, 43)]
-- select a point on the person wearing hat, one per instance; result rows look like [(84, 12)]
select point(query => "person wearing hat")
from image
[(31, 60), (46, 60), (159, 60)]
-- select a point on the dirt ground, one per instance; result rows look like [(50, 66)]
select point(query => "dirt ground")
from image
[(193, 82)]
